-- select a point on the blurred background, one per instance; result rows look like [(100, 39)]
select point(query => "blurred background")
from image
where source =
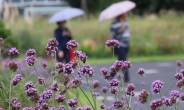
[(156, 26)]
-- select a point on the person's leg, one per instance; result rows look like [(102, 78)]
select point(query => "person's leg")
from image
[(126, 75)]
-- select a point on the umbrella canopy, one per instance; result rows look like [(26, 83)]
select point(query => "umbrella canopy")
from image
[(66, 14), (116, 9)]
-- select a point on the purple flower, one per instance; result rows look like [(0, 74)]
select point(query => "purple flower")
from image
[(79, 108), (86, 69), (76, 82), (143, 96), (31, 92), (107, 77), (104, 89), (44, 64), (96, 84), (114, 82), (51, 47), (126, 65), (30, 52), (16, 79), (60, 98), (13, 66), (182, 97), (141, 71), (182, 71), (53, 73), (118, 103), (14, 100), (178, 76), (40, 80), (72, 44), (28, 85), (119, 76), (68, 69), (87, 108), (179, 63), (1, 109), (174, 93), (95, 94), (27, 108), (112, 43), (30, 60), (47, 94), (180, 83), (59, 65), (113, 89), (81, 55), (156, 104), (74, 63), (173, 100), (72, 102), (62, 107), (104, 71), (102, 106), (167, 102), (156, 86), (130, 89), (54, 86), (15, 104), (1, 41), (44, 105), (13, 52)]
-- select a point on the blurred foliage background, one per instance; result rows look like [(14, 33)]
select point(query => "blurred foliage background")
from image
[(150, 35), (156, 29), (143, 6)]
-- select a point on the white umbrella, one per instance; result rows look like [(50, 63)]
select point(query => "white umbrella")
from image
[(66, 14), (116, 9)]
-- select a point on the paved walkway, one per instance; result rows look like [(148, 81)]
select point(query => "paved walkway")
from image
[(163, 71)]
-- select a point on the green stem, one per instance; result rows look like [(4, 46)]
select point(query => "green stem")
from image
[(113, 52), (147, 105), (161, 98), (129, 105), (87, 97), (10, 91), (5, 92), (168, 88), (177, 107), (90, 91), (124, 93)]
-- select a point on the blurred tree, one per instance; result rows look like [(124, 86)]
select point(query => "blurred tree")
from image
[(143, 6)]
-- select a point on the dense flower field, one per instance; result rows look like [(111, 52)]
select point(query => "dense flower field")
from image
[(55, 96)]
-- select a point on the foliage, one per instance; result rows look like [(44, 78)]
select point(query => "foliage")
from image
[(143, 6), (9, 40)]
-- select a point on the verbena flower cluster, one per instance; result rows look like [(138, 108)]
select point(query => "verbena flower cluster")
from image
[(61, 87)]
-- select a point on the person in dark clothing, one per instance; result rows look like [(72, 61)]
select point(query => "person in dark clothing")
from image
[(120, 31), (62, 35)]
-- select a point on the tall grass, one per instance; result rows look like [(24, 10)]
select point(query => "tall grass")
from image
[(149, 35)]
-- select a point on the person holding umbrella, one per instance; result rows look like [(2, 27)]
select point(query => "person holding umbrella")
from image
[(62, 33), (119, 29)]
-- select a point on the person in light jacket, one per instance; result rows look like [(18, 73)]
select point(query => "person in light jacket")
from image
[(120, 31)]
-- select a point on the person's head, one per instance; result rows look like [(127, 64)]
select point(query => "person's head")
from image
[(122, 16), (61, 23)]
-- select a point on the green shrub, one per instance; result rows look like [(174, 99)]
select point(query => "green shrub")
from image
[(8, 39)]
